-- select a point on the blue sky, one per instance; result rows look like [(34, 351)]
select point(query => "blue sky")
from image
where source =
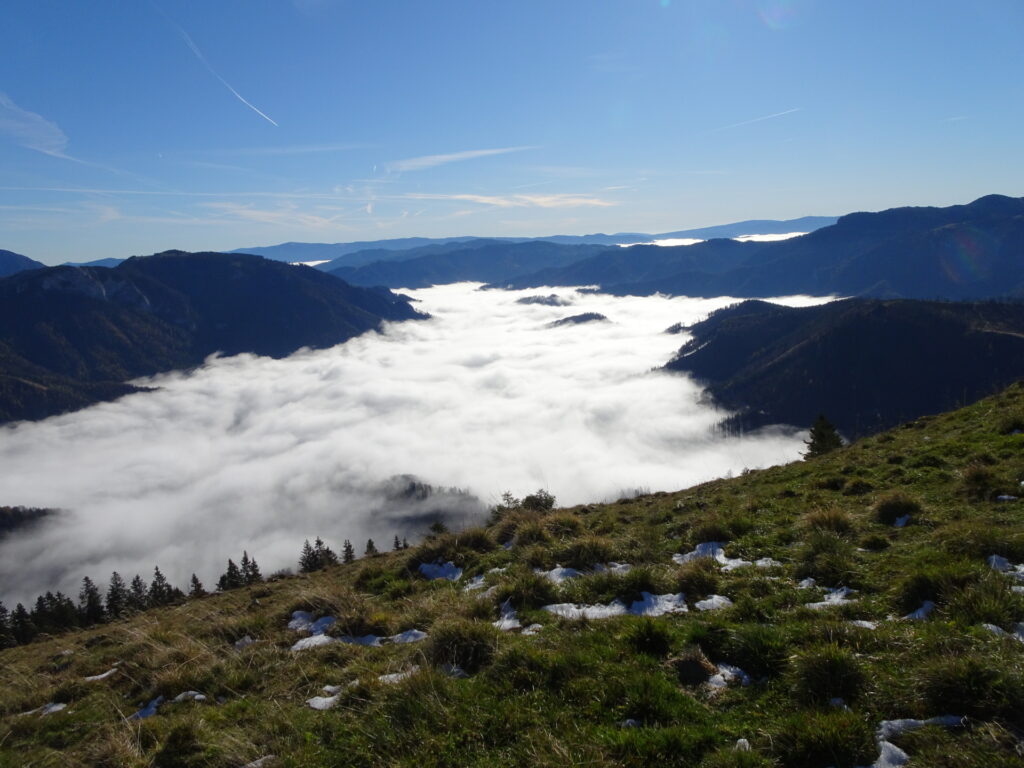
[(130, 128)]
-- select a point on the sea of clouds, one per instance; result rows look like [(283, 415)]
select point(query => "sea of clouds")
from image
[(259, 454)]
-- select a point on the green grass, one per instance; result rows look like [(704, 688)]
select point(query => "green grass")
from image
[(561, 697)]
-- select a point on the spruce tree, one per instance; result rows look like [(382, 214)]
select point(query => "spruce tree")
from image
[(823, 438), (22, 626), (160, 592), (138, 595), (196, 587), (90, 603), (63, 612), (348, 552), (250, 570), (324, 554), (117, 596), (6, 635), (232, 578), (371, 548), (405, 543), (397, 545), (308, 560), (40, 614)]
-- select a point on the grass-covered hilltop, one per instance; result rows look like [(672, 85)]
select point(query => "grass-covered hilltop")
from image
[(860, 608)]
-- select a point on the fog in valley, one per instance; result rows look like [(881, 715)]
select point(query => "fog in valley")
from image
[(259, 454)]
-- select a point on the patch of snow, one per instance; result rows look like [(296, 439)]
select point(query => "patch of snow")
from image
[(1001, 564), (102, 676), (617, 568), (439, 570), (891, 756), (1006, 497), (742, 745), (245, 642), (921, 613), (725, 675), (149, 710), (658, 605), (807, 583), (767, 238), (558, 574), (901, 522), (647, 605), (575, 611), (314, 641), (629, 722), (189, 696), (533, 629), (322, 702), (714, 550), (713, 603), (49, 709), (315, 263), (509, 619), (767, 562), (864, 624), (409, 636), (301, 621), (397, 677), (261, 762), (321, 625), (833, 597), (454, 670), (477, 582)]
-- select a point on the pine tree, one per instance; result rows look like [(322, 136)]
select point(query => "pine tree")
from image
[(324, 553), (63, 612), (138, 595), (397, 545), (160, 592), (90, 603), (250, 570), (405, 543), (232, 578), (371, 548), (117, 596), (348, 552), (40, 615), (196, 587), (823, 438), (6, 635), (22, 626), (308, 561)]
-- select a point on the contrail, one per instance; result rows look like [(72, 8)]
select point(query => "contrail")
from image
[(755, 120), (199, 55)]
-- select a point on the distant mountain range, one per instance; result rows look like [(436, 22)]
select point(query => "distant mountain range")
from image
[(960, 252), (72, 336), (368, 251), (11, 262), (866, 364)]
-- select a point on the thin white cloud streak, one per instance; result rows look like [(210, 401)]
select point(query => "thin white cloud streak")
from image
[(519, 201), (756, 120), (31, 130), (294, 149), (433, 161), (225, 83), (258, 454)]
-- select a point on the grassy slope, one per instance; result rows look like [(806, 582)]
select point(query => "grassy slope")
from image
[(558, 698)]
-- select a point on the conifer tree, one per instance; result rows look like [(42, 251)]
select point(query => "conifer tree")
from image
[(405, 543), (397, 545), (90, 603), (371, 548), (348, 552), (40, 614), (325, 555), (160, 592), (823, 438), (117, 596), (63, 612), (138, 595), (22, 626), (196, 588), (308, 559), (231, 578), (250, 570), (6, 635)]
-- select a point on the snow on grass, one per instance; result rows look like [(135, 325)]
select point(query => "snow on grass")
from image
[(647, 605), (243, 643), (477, 582), (558, 574), (864, 624), (713, 603), (725, 675), (189, 696), (439, 570), (1001, 564), (102, 676), (397, 677), (891, 756), (372, 641), (409, 636), (509, 619), (901, 522), (46, 709), (616, 568), (716, 551), (533, 629), (1017, 634), (807, 583), (921, 613), (833, 597), (314, 641), (322, 702), (149, 710), (262, 762)]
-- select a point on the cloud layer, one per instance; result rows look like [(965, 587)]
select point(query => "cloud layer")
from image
[(258, 454)]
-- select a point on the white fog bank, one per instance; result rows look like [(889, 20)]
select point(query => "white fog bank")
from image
[(259, 454)]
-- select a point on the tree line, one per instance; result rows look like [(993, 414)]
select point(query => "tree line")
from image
[(55, 612)]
